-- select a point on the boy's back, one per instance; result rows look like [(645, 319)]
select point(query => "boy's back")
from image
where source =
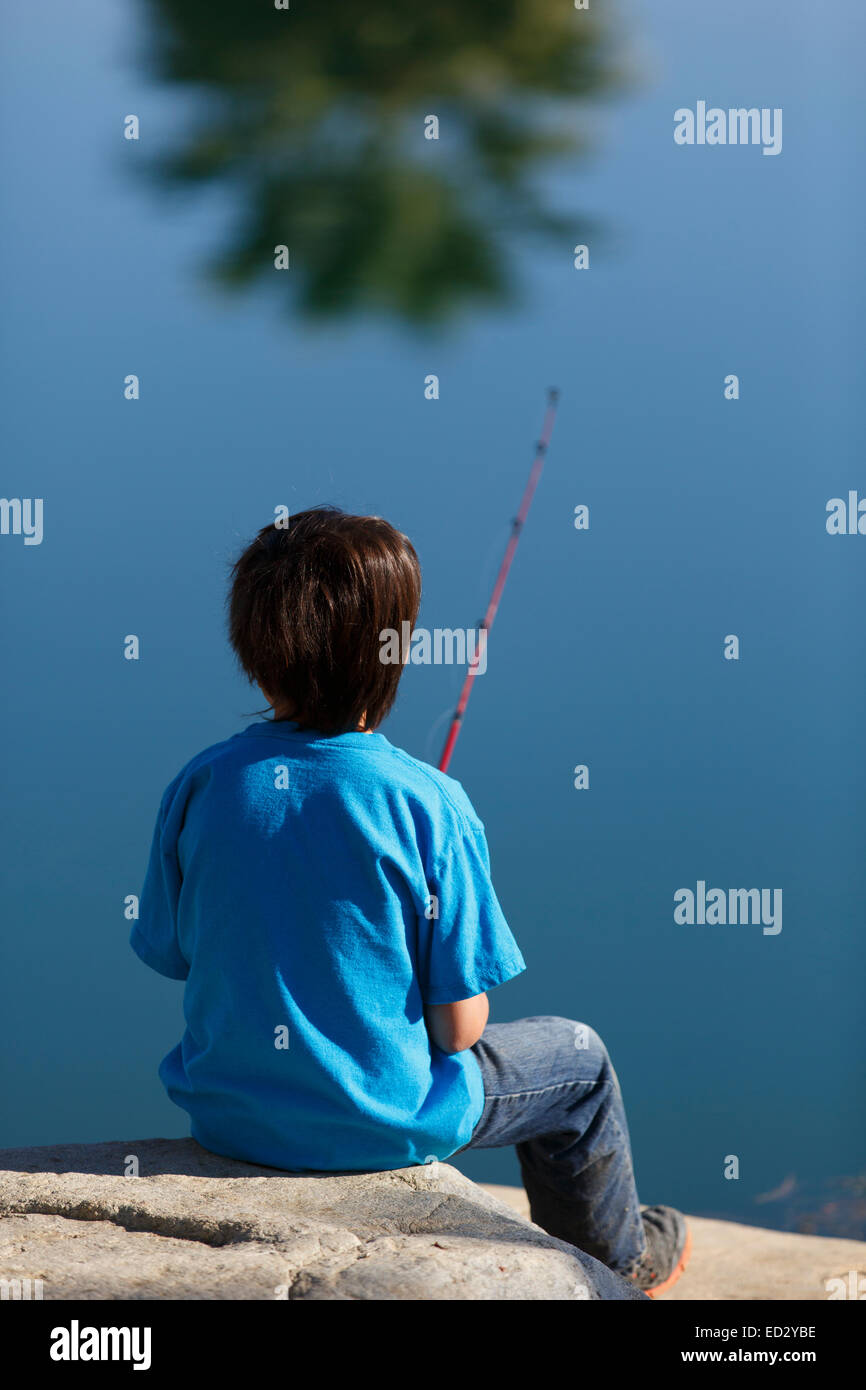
[(316, 893)]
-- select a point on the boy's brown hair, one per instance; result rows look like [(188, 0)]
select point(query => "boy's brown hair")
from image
[(307, 603)]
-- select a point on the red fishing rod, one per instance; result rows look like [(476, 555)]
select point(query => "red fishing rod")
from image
[(516, 528)]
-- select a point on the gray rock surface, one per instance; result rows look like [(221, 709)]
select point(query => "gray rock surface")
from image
[(193, 1225), (731, 1262)]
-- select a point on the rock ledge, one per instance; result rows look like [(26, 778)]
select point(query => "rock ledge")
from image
[(193, 1225)]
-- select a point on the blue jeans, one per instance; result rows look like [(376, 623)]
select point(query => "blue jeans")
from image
[(551, 1090)]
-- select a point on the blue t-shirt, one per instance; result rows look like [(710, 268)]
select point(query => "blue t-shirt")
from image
[(315, 893)]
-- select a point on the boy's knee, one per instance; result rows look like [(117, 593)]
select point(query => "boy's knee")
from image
[(587, 1040), (581, 1039)]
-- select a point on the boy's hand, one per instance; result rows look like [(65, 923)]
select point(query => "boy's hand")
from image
[(454, 1027)]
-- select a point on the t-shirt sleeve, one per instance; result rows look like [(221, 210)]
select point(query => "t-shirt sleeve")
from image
[(465, 944), (154, 935)]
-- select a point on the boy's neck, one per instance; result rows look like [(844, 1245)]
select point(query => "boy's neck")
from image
[(284, 714)]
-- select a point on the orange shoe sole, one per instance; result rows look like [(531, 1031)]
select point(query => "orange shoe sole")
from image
[(675, 1274)]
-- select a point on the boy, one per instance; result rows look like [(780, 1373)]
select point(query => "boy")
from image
[(327, 899)]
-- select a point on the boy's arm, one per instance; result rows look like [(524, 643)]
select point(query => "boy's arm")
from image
[(154, 935), (465, 947), (454, 1027)]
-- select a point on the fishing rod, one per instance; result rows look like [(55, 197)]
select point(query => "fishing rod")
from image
[(516, 528)]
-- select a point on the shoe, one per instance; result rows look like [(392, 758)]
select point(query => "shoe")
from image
[(668, 1246)]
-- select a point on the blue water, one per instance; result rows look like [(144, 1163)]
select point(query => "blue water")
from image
[(707, 519)]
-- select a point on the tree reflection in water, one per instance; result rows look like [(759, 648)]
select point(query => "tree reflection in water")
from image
[(314, 118)]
